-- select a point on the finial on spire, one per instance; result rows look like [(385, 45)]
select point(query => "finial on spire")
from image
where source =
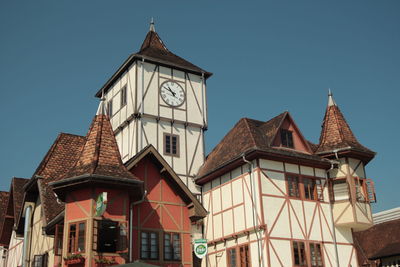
[(101, 109), (152, 28), (331, 101)]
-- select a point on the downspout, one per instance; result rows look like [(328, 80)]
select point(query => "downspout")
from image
[(27, 236), (131, 225), (332, 220), (254, 213)]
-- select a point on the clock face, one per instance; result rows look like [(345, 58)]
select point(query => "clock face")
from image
[(172, 93)]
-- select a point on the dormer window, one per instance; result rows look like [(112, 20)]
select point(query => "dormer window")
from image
[(287, 138)]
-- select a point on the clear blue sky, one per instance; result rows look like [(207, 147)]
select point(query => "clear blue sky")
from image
[(266, 56)]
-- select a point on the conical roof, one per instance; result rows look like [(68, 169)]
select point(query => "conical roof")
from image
[(336, 133), (100, 154)]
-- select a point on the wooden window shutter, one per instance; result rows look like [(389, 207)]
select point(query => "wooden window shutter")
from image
[(122, 243), (95, 234), (371, 190), (320, 189)]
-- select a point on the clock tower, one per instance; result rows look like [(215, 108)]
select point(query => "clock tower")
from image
[(159, 98)]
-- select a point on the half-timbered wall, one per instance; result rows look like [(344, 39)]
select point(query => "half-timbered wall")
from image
[(14, 254), (237, 197), (358, 213), (40, 243), (162, 211), (146, 117), (80, 206)]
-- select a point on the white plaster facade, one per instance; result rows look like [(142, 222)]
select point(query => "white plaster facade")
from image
[(146, 117), (255, 209)]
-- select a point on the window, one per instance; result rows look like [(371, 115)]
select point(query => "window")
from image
[(304, 187), (107, 236), (40, 260), (172, 247), (309, 188), (316, 255), (171, 144), (340, 190), (232, 257), (58, 239), (287, 138), (239, 256), (123, 96), (299, 254), (293, 186), (76, 237), (109, 108), (149, 245)]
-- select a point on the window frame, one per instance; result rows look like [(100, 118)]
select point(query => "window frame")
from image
[(110, 108), (123, 96), (43, 260), (171, 136), (171, 234), (299, 252), (149, 245), (58, 239), (287, 135), (100, 228), (238, 255), (301, 190), (321, 254), (76, 238)]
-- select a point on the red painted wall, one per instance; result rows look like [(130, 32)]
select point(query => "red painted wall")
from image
[(298, 141), (163, 211)]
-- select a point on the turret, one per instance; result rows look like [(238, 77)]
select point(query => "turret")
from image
[(350, 190)]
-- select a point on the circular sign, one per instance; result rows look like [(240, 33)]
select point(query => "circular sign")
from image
[(200, 248)]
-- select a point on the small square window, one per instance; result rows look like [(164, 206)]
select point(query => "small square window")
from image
[(123, 96), (109, 108), (171, 144), (287, 138)]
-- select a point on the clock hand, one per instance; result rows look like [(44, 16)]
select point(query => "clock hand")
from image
[(173, 93)]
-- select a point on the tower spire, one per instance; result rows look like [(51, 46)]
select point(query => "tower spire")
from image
[(152, 28), (331, 101)]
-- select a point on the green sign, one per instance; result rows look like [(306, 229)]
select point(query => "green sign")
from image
[(200, 248), (101, 204)]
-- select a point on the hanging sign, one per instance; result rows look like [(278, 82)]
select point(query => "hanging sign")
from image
[(101, 204), (200, 248)]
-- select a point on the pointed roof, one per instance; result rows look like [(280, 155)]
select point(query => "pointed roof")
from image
[(154, 50), (336, 134), (250, 135), (100, 154)]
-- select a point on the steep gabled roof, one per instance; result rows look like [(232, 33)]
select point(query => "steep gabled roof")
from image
[(17, 185), (336, 133), (248, 135), (4, 196), (100, 154), (58, 161), (197, 210), (154, 50)]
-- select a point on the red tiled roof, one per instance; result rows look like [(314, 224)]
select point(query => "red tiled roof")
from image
[(18, 194), (153, 49), (246, 135), (336, 133), (58, 161), (381, 240), (100, 154), (4, 196)]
